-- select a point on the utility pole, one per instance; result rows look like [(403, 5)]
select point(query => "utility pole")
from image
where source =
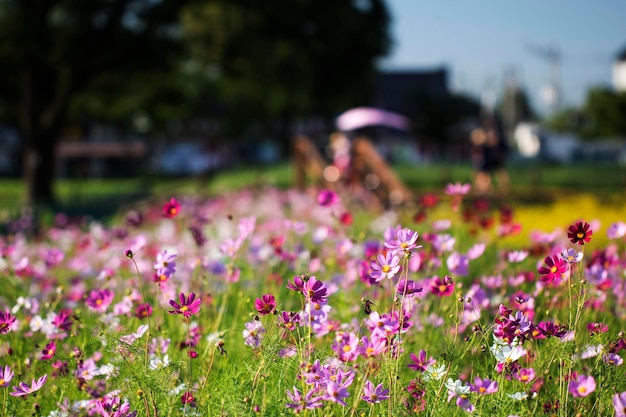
[(552, 55)]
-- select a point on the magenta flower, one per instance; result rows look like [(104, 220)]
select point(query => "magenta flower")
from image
[(297, 284), (582, 386), (619, 404), (554, 269), (373, 394), (420, 361), (442, 287), (5, 376), (386, 267), (171, 208), (408, 287), (23, 389), (6, 321), (99, 300), (186, 306), (327, 198), (49, 351), (265, 305), (315, 291), (143, 310), (484, 386), (525, 375)]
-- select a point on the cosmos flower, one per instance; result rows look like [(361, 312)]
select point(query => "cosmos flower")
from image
[(374, 394), (187, 306), (571, 256), (266, 304), (386, 267), (327, 198), (619, 404), (582, 386), (554, 269), (579, 233), (6, 376), (457, 188), (24, 389), (171, 208), (99, 300), (6, 321), (484, 386)]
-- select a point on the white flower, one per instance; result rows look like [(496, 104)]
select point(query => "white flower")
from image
[(157, 362), (434, 373), (457, 387), (590, 351), (519, 396)]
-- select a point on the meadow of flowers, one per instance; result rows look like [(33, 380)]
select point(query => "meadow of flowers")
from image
[(269, 302)]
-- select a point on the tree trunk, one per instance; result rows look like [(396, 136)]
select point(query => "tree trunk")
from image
[(39, 167)]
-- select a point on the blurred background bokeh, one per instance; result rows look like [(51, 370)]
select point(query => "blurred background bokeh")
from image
[(120, 97)]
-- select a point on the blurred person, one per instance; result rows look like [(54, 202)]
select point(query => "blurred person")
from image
[(489, 153)]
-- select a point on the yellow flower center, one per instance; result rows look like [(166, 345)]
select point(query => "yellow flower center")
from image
[(553, 269), (184, 308), (346, 348), (386, 269), (582, 390), (580, 235), (482, 390)]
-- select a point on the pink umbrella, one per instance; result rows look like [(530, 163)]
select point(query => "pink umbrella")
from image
[(370, 116)]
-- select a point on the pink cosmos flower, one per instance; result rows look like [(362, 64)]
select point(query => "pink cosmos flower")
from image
[(164, 264), (299, 403), (99, 300), (582, 386), (484, 386), (143, 310), (420, 361), (336, 393), (554, 269), (6, 376), (23, 389), (373, 394), (616, 230), (266, 304), (525, 375), (186, 306), (457, 188), (171, 208), (386, 267), (404, 241), (619, 404)]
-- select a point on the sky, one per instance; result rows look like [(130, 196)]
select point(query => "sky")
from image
[(481, 41)]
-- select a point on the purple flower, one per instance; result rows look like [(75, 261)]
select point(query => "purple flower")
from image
[(5, 376), (582, 386), (299, 403), (23, 389), (484, 386), (373, 394), (404, 241), (253, 332), (186, 306), (99, 300), (336, 393), (408, 287), (266, 304), (619, 404), (6, 321), (616, 230), (315, 291), (386, 267), (525, 375), (49, 351)]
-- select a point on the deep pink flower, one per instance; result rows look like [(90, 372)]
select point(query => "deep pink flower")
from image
[(457, 188), (186, 306), (582, 386), (554, 269), (171, 208), (23, 389), (525, 375), (420, 361), (442, 287), (187, 398), (6, 321), (266, 304), (336, 393), (315, 291)]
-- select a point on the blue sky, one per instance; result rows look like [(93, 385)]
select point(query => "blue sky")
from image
[(480, 40)]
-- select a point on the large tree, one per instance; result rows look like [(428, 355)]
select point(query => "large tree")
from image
[(53, 50), (282, 59)]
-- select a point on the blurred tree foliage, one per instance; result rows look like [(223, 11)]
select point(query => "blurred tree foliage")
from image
[(279, 60), (602, 116), (265, 63)]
